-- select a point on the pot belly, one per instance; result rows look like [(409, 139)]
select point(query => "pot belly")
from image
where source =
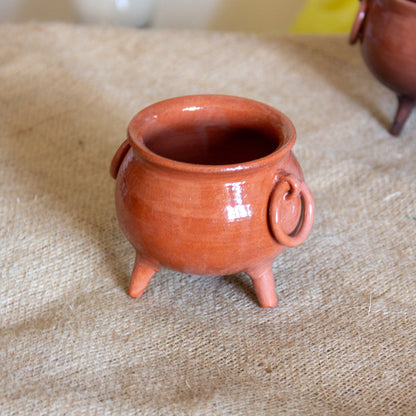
[(194, 227), (227, 241), (389, 49), (394, 69)]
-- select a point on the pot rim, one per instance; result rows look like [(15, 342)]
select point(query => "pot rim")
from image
[(195, 102)]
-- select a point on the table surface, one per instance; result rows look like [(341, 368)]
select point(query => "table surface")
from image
[(341, 340)]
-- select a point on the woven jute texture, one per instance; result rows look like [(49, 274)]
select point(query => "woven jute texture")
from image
[(72, 342)]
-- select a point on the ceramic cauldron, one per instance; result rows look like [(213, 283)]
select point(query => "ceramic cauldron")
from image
[(387, 32), (209, 185)]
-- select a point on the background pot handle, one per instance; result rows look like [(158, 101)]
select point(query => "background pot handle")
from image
[(356, 30), (287, 188), (118, 158)]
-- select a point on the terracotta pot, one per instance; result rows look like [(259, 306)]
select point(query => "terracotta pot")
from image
[(387, 32), (208, 185)]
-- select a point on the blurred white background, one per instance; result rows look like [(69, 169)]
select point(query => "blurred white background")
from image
[(235, 15)]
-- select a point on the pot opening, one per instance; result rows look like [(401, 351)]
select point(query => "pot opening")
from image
[(207, 143)]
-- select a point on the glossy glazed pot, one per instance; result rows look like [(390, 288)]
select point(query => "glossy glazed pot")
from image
[(209, 185), (387, 32)]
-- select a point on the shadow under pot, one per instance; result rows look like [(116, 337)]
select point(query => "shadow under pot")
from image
[(386, 30), (208, 185)]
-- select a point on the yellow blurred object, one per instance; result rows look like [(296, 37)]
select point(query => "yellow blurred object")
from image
[(326, 16)]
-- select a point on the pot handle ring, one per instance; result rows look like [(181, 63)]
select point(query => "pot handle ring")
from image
[(118, 158), (286, 188), (357, 26)]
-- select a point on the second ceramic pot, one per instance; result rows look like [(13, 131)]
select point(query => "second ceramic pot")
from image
[(387, 32), (209, 185)]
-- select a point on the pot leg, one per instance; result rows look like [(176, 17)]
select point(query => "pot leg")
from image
[(263, 282), (143, 271), (405, 107)]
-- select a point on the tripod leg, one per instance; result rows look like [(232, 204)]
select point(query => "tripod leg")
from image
[(405, 107), (263, 282), (143, 271)]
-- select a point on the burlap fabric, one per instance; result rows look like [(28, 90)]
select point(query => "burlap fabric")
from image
[(342, 340)]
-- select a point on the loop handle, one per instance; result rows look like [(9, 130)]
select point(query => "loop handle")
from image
[(118, 158), (356, 31), (286, 188)]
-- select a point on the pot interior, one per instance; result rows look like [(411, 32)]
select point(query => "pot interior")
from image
[(208, 142)]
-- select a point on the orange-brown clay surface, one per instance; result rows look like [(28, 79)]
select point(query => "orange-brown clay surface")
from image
[(387, 32), (209, 185)]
